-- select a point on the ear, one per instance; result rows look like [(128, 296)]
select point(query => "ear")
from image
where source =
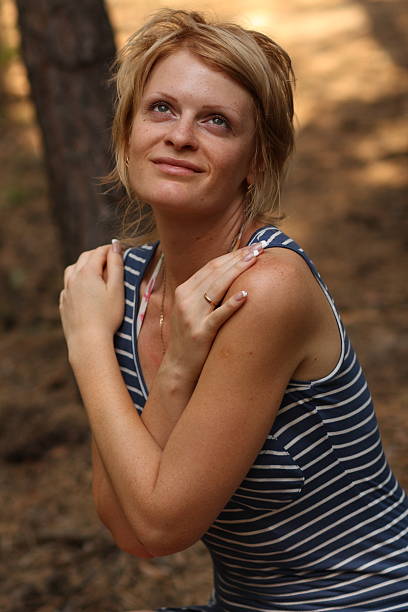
[(126, 153), (250, 177)]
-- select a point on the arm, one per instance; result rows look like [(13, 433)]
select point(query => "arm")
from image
[(174, 382), (170, 496), (109, 510)]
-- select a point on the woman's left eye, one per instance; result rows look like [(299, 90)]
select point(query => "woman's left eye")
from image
[(219, 120)]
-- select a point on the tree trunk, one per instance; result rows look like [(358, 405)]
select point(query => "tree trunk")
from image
[(68, 46)]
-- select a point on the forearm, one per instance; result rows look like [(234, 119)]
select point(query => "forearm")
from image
[(129, 452), (109, 510), (169, 395)]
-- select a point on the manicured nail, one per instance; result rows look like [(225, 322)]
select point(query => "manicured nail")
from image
[(260, 245), (240, 296), (116, 245), (252, 254)]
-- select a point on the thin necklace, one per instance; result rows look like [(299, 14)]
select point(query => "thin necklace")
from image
[(161, 320), (234, 246)]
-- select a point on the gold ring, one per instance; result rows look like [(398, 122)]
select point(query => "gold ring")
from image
[(209, 300)]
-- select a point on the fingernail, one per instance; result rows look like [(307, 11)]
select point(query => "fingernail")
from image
[(252, 254), (240, 296), (116, 245), (260, 245)]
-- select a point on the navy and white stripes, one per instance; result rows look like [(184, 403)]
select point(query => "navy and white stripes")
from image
[(319, 523)]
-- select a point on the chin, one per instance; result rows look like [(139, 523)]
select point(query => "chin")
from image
[(170, 197)]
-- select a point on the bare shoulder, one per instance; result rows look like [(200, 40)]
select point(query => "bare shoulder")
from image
[(275, 326), (280, 283), (286, 313), (280, 267)]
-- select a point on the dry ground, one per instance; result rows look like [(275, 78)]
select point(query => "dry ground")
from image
[(345, 199)]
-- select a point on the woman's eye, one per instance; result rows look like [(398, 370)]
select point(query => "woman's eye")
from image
[(219, 120), (160, 107)]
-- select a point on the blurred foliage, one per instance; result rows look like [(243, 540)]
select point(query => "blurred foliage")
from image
[(7, 54), (13, 195)]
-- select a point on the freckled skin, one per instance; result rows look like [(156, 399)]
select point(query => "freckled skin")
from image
[(205, 118)]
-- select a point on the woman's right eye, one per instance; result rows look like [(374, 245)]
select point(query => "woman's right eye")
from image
[(160, 107)]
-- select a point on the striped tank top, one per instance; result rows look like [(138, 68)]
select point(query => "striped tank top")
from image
[(319, 522)]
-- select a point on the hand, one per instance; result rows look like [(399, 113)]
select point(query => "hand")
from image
[(194, 321), (92, 301)]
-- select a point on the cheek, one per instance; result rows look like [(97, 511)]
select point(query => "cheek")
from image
[(139, 136), (235, 163)]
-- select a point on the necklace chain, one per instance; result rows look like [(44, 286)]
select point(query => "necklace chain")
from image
[(161, 320)]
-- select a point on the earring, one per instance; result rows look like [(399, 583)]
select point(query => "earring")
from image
[(127, 161)]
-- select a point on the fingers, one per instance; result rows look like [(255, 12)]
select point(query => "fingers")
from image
[(204, 278), (220, 280), (94, 260), (67, 274), (114, 267), (225, 311), (61, 299)]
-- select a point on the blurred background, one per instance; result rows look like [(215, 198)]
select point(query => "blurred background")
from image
[(345, 202)]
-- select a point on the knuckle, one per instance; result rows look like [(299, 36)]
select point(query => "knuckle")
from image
[(195, 336), (178, 291), (67, 274), (213, 323), (180, 294), (180, 304), (215, 264)]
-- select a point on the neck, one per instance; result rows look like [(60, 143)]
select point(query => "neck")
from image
[(188, 245)]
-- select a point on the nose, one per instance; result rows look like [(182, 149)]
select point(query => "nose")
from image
[(182, 134)]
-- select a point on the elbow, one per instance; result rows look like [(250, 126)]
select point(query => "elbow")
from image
[(168, 539), (131, 546), (169, 528), (122, 534), (126, 540), (152, 534)]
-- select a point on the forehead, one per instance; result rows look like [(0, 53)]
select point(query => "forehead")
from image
[(186, 76)]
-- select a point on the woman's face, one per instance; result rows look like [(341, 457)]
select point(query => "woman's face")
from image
[(192, 138)]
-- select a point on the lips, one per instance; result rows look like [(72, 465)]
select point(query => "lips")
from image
[(171, 162)]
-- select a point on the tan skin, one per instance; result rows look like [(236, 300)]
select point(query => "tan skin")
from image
[(157, 483)]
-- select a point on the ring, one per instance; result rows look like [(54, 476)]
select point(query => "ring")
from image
[(209, 300)]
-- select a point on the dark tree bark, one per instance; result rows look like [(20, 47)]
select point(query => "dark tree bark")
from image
[(68, 47)]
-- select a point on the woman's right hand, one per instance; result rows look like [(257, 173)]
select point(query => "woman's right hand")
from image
[(194, 320)]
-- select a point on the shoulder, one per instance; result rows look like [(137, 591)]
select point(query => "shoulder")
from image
[(279, 284), (280, 317)]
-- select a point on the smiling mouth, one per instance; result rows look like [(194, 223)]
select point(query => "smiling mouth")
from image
[(177, 167)]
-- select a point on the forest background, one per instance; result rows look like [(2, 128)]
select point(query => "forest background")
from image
[(346, 204)]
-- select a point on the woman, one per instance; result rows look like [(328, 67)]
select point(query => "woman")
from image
[(253, 427)]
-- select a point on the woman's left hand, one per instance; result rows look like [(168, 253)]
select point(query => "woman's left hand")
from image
[(92, 301)]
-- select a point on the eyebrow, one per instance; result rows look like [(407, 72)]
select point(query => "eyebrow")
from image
[(207, 107)]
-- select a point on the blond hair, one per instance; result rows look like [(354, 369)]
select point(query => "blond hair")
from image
[(252, 59)]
